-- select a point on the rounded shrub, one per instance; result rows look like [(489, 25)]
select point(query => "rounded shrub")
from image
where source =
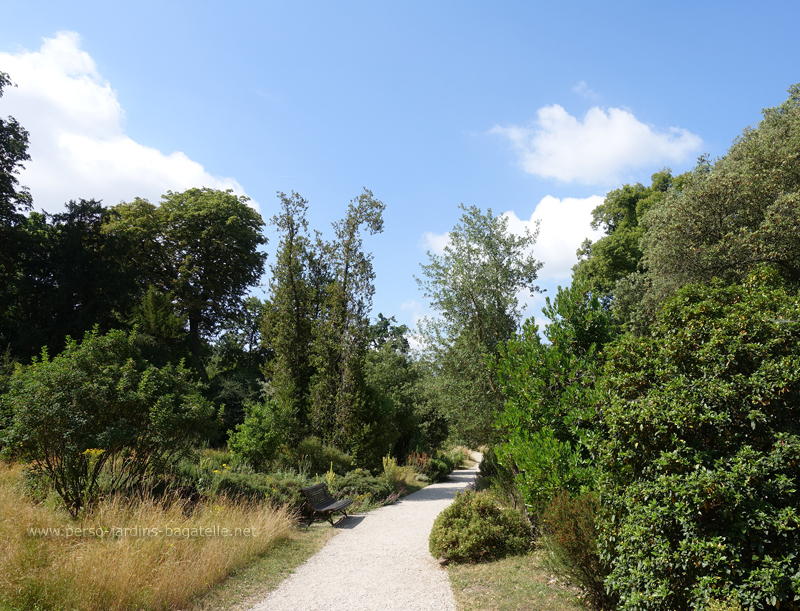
[(439, 469), (360, 482), (474, 528), (278, 490)]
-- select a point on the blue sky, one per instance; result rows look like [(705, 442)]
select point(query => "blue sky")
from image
[(532, 109)]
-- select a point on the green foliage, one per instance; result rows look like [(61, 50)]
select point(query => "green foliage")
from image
[(317, 457), (263, 431), (393, 381), (570, 536), (201, 245), (550, 396), (13, 198), (440, 468), (700, 451), (234, 369), (601, 264), (7, 365), (361, 482), (474, 528), (473, 286), (278, 489), (341, 409), (295, 300), (69, 277), (100, 407), (730, 216)]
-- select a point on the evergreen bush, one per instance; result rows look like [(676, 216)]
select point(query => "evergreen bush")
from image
[(474, 528), (700, 470), (278, 489), (360, 482)]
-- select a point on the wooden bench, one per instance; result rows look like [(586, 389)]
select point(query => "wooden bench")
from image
[(321, 501)]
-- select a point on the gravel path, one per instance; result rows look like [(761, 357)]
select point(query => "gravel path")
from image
[(380, 560)]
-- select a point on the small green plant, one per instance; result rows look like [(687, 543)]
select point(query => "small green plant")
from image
[(389, 467), (330, 477), (475, 528)]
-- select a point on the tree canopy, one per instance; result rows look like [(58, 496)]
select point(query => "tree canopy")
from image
[(473, 286)]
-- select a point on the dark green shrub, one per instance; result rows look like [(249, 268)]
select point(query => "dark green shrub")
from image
[(570, 535), (439, 469), (474, 528), (276, 489), (100, 408), (361, 482), (701, 475)]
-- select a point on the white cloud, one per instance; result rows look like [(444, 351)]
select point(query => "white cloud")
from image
[(434, 242), (597, 150), (584, 90), (78, 145), (564, 225)]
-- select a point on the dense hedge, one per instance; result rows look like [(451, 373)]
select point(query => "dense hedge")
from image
[(701, 454)]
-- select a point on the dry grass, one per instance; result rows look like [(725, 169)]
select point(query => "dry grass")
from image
[(404, 478), (181, 556), (517, 583)]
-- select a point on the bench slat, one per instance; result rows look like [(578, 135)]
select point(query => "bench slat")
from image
[(320, 500)]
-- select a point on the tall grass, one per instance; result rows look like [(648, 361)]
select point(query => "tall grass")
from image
[(115, 571)]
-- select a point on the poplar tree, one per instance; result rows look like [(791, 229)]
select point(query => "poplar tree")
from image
[(473, 286)]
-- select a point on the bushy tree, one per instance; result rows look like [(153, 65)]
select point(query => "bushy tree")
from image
[(473, 287), (266, 427), (699, 450), (100, 407), (13, 198), (731, 215), (604, 262), (549, 389), (235, 367), (202, 246), (70, 276)]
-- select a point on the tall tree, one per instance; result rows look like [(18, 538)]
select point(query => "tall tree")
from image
[(202, 246), (289, 321), (70, 277), (338, 390), (473, 286), (13, 152), (13, 200)]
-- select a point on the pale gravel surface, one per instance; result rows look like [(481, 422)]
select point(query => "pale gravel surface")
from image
[(379, 560)]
